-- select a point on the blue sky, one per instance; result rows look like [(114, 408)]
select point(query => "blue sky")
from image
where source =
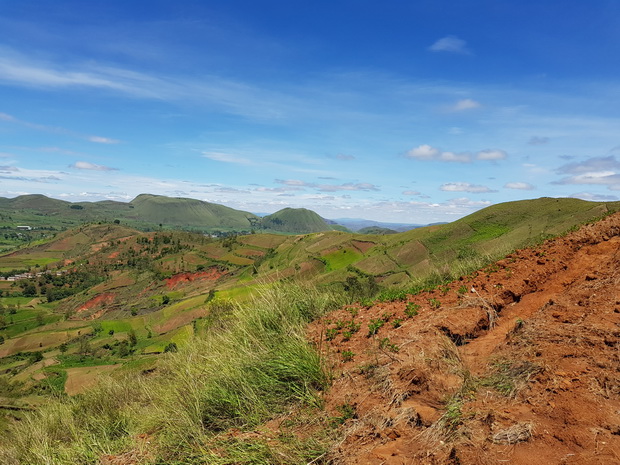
[(395, 111)]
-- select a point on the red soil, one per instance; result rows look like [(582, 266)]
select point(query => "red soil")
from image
[(520, 364), (102, 299), (363, 246), (211, 275)]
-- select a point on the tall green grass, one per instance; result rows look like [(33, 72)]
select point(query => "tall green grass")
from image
[(253, 366)]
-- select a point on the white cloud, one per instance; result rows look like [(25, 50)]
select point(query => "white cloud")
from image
[(103, 140), (609, 178), (519, 185), (597, 170), (426, 152), (84, 165), (451, 44), (465, 104), (411, 193), (8, 169), (455, 157), (343, 157), (590, 165), (491, 154), (594, 197), (465, 187)]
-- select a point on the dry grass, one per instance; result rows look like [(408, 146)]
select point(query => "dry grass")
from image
[(516, 433)]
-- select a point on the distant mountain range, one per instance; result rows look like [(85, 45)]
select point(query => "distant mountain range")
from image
[(150, 212), (358, 224)]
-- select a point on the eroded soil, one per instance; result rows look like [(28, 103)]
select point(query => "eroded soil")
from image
[(518, 363)]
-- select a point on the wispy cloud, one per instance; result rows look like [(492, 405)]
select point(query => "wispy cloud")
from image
[(464, 105), (344, 157), (538, 140), (451, 44), (56, 130), (103, 140), (227, 158), (519, 186), (84, 165), (491, 154), (231, 96), (465, 187), (411, 193), (361, 186)]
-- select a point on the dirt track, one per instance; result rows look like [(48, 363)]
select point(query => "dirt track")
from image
[(517, 364)]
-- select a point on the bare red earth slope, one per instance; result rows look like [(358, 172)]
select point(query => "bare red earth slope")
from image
[(518, 363)]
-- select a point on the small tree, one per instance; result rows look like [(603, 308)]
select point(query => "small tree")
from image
[(171, 347), (132, 338)]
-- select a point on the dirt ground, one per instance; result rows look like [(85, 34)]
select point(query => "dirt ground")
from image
[(518, 363)]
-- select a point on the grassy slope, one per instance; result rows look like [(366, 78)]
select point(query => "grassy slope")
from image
[(295, 220), (188, 212)]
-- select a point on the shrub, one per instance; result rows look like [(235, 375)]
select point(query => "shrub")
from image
[(411, 309), (374, 326)]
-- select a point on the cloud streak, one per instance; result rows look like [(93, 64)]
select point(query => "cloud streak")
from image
[(84, 165), (450, 44), (525, 186), (361, 186), (465, 187)]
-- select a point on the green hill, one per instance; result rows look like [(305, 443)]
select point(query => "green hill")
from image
[(183, 213), (295, 220), (376, 230)]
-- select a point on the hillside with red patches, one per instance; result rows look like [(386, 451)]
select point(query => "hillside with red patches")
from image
[(212, 274), (101, 300)]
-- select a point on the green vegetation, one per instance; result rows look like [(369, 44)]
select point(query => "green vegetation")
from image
[(295, 220), (412, 309), (237, 377), (374, 326)]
